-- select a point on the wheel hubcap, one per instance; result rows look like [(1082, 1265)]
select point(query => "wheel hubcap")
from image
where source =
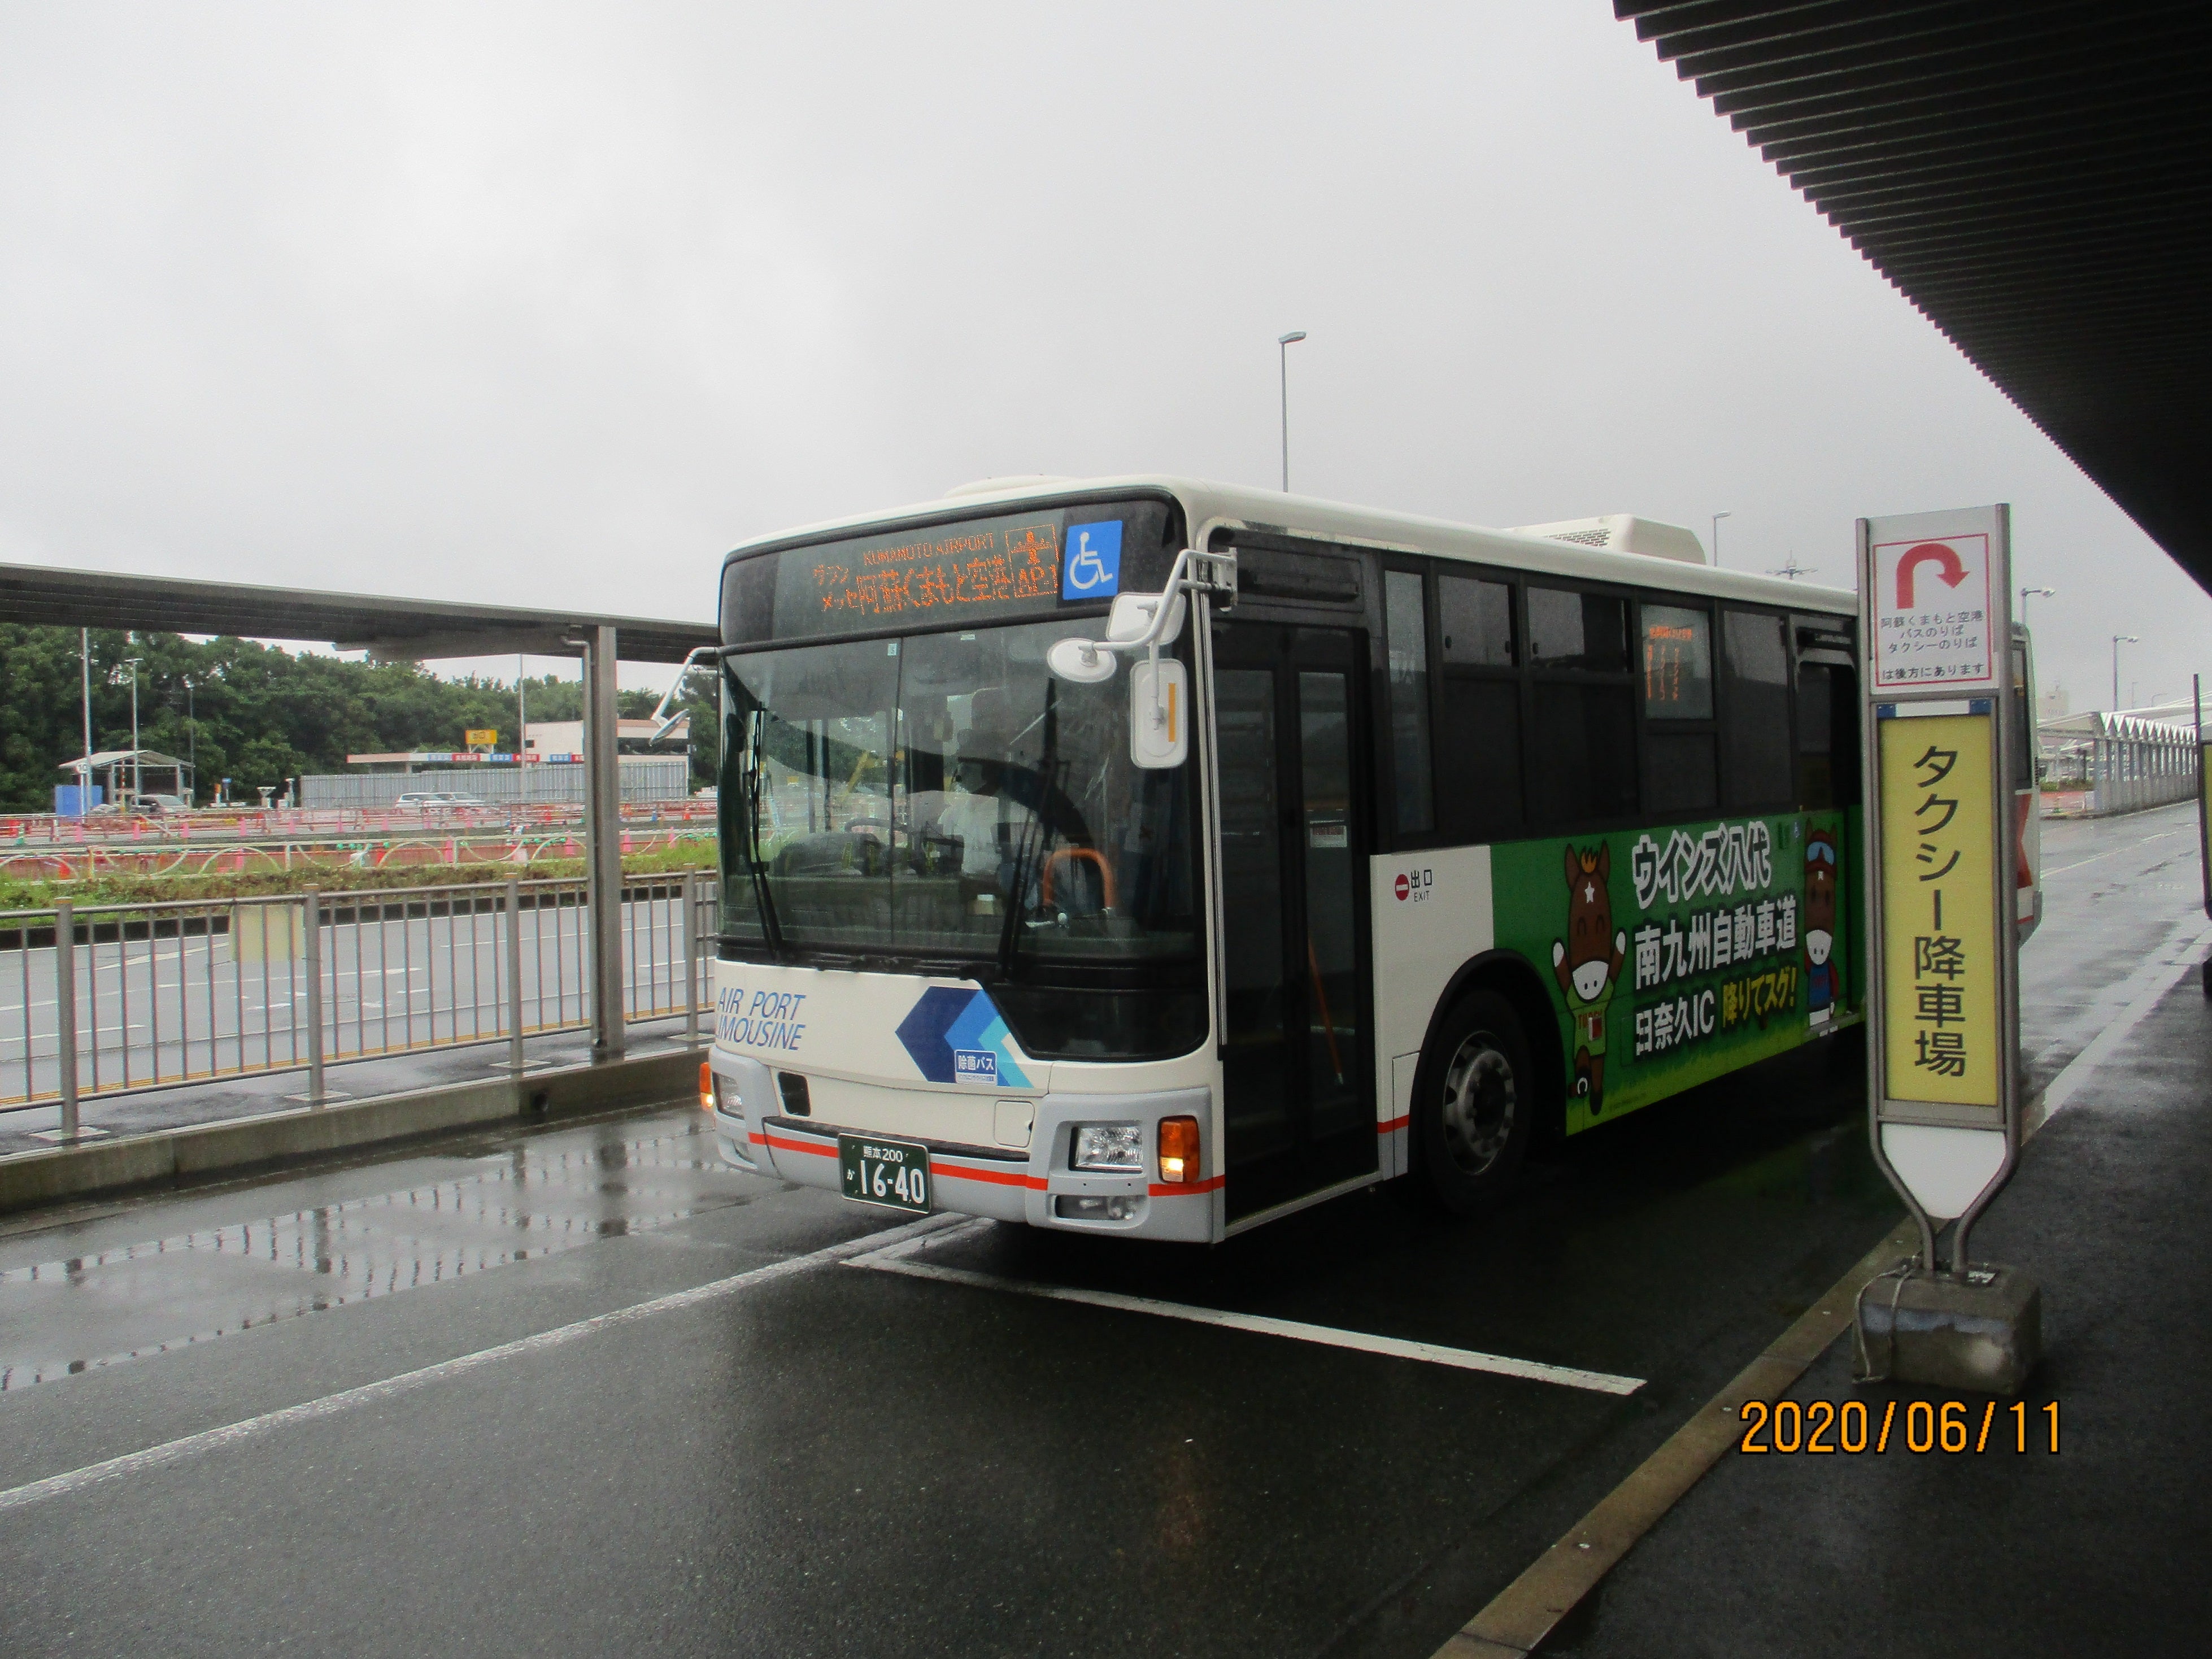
[(1478, 1104)]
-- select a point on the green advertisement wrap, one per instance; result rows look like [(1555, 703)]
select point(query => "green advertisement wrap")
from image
[(1675, 955)]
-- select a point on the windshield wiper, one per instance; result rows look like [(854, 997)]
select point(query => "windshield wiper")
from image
[(1010, 934), (754, 865)]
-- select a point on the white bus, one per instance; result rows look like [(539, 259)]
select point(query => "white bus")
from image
[(1382, 847)]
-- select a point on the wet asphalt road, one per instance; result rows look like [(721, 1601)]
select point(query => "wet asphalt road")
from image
[(840, 1460), (2098, 1549)]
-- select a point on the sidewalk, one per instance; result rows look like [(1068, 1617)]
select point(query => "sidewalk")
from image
[(2099, 1549)]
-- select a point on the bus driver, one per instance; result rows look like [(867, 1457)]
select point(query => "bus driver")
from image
[(982, 813)]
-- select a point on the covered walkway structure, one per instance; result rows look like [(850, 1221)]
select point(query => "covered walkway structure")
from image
[(2032, 178), (407, 629)]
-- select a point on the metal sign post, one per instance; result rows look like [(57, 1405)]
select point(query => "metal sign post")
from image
[(1934, 602), (2203, 809)]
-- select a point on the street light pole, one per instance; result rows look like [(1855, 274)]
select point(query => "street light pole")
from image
[(2119, 640), (1718, 517), (2045, 592), (138, 777), (1283, 353), (192, 753), (84, 777)]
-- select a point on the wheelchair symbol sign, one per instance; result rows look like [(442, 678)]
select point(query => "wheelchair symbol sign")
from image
[(1093, 570)]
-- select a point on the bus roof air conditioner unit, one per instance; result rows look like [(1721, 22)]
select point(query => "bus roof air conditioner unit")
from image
[(1624, 533)]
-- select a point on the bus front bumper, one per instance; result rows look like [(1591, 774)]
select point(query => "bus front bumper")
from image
[(1038, 1187)]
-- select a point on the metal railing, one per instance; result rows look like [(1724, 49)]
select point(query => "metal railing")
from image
[(222, 825), (99, 1000), (2123, 764)]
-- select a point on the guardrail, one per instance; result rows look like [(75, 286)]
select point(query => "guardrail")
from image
[(207, 855), (99, 1000), (279, 822)]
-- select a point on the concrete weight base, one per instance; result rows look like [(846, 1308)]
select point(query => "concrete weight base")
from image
[(1982, 1330)]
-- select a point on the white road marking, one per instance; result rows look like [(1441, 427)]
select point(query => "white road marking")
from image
[(2149, 983), (894, 1259), (2113, 853), (255, 1428)]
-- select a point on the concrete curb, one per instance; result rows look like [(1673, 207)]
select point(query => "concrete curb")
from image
[(169, 1156)]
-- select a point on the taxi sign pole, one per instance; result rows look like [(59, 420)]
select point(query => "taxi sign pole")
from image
[(1943, 1011)]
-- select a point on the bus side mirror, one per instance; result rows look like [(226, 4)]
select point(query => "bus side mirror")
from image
[(1159, 713), (1132, 614), (1139, 623), (1079, 662)]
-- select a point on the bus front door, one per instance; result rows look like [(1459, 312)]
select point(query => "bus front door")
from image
[(1297, 1079)]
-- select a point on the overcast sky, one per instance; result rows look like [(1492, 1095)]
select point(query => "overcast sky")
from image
[(555, 304)]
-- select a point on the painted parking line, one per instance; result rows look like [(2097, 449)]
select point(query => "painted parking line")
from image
[(2144, 988), (1522, 1614), (331, 1405), (2113, 853), (897, 1258)]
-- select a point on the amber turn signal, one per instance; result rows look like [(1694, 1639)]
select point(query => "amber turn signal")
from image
[(1178, 1144), (706, 1086)]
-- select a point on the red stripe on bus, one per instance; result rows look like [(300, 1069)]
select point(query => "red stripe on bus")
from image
[(783, 1146), (1182, 1188), (989, 1177), (1396, 1124), (937, 1166), (993, 1177)]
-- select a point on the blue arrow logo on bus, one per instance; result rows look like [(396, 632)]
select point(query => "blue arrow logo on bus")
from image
[(954, 1035)]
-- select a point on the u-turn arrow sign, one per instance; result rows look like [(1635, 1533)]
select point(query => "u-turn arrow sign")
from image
[(1932, 613)]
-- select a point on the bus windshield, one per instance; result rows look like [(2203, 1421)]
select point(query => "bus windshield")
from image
[(939, 803)]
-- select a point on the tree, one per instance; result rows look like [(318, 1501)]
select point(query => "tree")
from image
[(262, 714)]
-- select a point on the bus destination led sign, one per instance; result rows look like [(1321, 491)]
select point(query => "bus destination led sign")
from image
[(1019, 566), (856, 584)]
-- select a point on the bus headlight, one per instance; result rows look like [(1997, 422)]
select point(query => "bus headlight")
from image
[(1178, 1149), (1119, 1147)]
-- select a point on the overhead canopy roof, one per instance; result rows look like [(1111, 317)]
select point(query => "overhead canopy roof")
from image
[(2032, 177), (153, 757), (402, 629)]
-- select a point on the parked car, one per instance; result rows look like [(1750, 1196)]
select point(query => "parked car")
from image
[(418, 799)]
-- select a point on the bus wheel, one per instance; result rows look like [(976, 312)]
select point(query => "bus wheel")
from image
[(1847, 1054), (1478, 1102)]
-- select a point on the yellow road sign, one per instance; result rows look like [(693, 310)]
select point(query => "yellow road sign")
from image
[(1942, 1025)]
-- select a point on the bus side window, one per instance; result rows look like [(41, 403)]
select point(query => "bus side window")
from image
[(1405, 619), (1568, 629), (1478, 765), (1816, 766), (1583, 764), (1756, 725), (1844, 685), (1828, 737), (1679, 772)]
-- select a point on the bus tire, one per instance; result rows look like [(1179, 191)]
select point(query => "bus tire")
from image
[(1847, 1054), (1478, 1101)]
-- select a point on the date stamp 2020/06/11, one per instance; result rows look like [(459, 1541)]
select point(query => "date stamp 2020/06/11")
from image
[(1822, 1427)]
